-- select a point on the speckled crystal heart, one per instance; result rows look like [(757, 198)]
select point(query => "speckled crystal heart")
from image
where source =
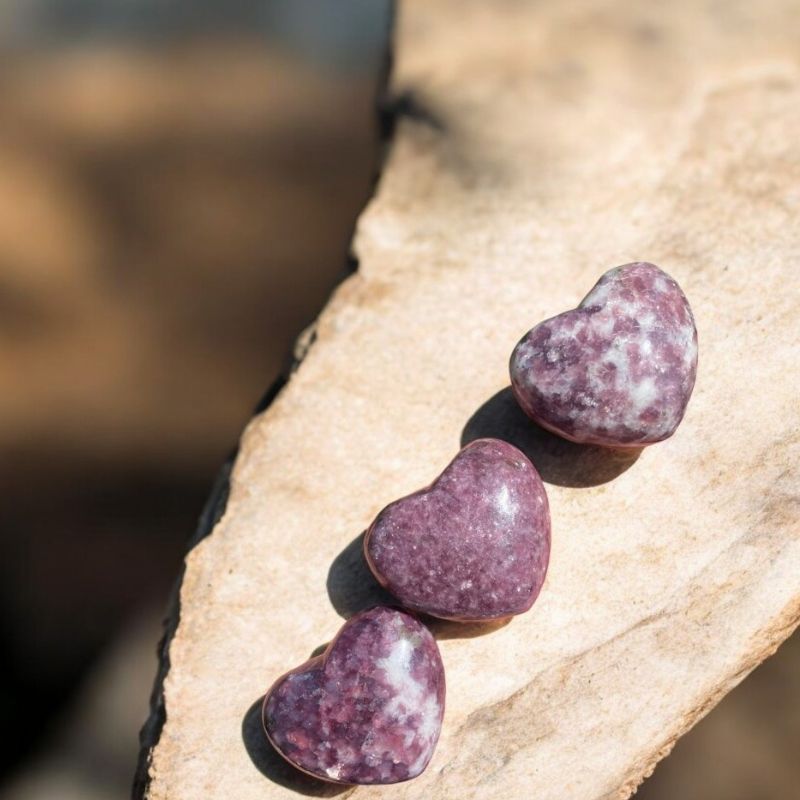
[(474, 545), (619, 369), (367, 711)]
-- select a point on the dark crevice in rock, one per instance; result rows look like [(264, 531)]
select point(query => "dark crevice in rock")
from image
[(407, 105)]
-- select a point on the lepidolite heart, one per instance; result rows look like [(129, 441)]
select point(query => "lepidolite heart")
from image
[(619, 369), (472, 546), (369, 709)]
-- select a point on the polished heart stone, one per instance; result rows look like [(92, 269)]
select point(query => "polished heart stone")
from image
[(369, 709), (472, 546), (619, 369)]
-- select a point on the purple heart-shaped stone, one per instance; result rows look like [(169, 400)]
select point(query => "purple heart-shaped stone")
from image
[(619, 369), (472, 546), (369, 709)]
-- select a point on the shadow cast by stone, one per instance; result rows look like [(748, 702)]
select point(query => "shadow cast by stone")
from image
[(351, 585), (559, 461), (319, 650), (352, 588), (271, 764), (449, 629)]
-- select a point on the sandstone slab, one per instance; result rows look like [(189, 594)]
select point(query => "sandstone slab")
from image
[(537, 143)]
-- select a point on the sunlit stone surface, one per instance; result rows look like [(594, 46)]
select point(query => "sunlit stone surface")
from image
[(472, 546), (369, 709), (619, 369)]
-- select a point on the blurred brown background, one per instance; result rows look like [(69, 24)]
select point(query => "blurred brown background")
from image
[(178, 187)]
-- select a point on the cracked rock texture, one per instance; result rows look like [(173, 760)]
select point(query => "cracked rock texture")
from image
[(546, 138)]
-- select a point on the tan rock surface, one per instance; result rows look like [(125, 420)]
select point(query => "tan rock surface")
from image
[(548, 142)]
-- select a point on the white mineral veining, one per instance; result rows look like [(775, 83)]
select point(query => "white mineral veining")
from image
[(612, 365), (504, 503), (430, 714), (397, 669), (412, 699)]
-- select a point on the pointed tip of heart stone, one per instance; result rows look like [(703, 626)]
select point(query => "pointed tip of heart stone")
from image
[(472, 546), (369, 709), (619, 369)]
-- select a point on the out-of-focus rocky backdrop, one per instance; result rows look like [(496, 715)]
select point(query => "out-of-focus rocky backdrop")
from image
[(178, 186)]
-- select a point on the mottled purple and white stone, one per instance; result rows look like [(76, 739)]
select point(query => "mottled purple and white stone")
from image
[(369, 709), (472, 546), (619, 369)]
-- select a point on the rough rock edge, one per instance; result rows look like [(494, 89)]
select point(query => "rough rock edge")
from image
[(387, 112), (764, 646)]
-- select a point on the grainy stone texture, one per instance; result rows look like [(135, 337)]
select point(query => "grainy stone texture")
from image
[(368, 710), (472, 546), (619, 369), (547, 138)]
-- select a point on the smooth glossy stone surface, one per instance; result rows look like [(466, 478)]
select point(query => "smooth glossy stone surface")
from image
[(472, 546), (369, 709), (619, 369)]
